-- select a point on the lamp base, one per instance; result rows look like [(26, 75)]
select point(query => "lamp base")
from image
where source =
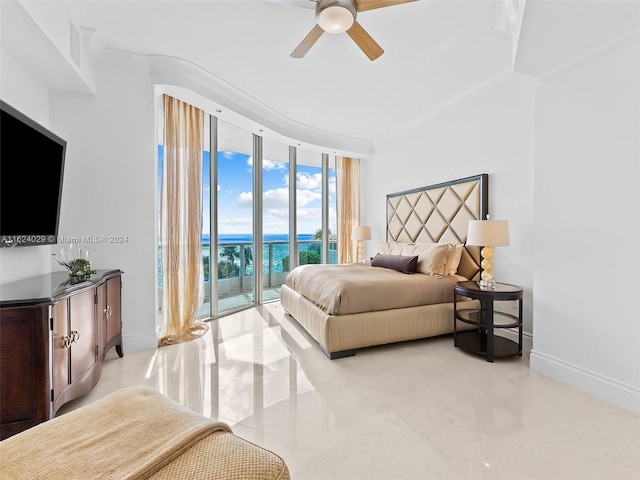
[(487, 282), (484, 285), (359, 252)]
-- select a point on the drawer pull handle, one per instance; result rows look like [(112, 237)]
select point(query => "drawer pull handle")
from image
[(67, 340)]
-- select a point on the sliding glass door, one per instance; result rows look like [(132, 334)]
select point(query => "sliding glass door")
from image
[(233, 226), (316, 207), (275, 217)]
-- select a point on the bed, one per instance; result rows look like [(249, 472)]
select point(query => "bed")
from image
[(352, 306)]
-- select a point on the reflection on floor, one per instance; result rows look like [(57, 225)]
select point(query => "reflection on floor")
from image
[(415, 410)]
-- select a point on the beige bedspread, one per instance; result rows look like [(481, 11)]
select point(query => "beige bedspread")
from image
[(356, 288), (101, 441)]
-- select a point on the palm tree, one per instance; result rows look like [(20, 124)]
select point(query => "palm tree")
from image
[(317, 247), (229, 253), (248, 256)]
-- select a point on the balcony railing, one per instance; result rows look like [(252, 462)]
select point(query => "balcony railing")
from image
[(235, 263)]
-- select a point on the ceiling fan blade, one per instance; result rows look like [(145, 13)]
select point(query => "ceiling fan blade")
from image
[(367, 44), (364, 5), (308, 41)]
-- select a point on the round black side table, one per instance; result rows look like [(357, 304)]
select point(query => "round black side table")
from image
[(482, 340)]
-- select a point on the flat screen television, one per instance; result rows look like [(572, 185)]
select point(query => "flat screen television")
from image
[(31, 171)]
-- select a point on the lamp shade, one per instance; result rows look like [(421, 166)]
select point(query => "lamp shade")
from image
[(494, 233), (360, 232)]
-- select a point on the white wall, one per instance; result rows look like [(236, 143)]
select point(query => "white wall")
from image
[(587, 219), (109, 181), (109, 186), (563, 158), (491, 132), (24, 91)]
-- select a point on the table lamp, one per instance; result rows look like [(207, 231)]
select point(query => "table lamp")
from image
[(488, 234), (360, 233)]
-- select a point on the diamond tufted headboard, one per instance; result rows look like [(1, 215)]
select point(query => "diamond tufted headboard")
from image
[(440, 213)]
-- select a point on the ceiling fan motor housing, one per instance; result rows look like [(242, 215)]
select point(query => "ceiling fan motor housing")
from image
[(336, 16)]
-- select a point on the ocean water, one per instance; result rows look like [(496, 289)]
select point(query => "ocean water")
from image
[(248, 238)]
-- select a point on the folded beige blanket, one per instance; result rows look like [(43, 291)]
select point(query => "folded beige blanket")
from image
[(132, 433)]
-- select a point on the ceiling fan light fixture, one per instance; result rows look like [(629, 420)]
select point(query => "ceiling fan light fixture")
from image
[(336, 16)]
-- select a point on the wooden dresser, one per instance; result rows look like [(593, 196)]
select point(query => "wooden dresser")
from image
[(54, 336)]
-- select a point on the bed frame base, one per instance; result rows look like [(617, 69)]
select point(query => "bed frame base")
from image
[(342, 336), (340, 354)]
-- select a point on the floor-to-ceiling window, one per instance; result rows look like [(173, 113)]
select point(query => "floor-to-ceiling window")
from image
[(316, 207), (309, 206), (234, 217), (238, 166), (332, 210), (275, 216)]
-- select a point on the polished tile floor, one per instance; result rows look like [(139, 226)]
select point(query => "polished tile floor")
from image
[(416, 410)]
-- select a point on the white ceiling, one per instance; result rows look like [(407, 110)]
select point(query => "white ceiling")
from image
[(435, 50)]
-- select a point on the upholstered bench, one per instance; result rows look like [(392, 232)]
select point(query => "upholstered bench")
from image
[(136, 433)]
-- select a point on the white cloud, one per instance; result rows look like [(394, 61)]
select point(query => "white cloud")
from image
[(273, 165), (245, 199), (278, 213), (307, 214), (305, 181), (226, 154), (235, 225), (305, 197), (309, 220), (276, 198), (269, 164), (237, 221), (276, 227)]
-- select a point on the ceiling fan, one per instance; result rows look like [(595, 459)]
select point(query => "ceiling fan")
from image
[(339, 16)]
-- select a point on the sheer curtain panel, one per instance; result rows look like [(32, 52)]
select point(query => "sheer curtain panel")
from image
[(181, 222), (348, 196)]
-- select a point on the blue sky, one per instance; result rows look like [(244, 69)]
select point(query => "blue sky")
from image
[(235, 197)]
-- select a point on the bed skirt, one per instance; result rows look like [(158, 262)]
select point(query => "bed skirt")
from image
[(342, 335)]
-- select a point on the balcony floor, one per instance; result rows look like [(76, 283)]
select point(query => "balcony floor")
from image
[(239, 300)]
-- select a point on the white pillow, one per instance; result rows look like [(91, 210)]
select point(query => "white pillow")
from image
[(393, 248)]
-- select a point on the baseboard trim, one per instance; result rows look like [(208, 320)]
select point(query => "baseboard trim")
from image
[(604, 388), (512, 334), (138, 343)]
